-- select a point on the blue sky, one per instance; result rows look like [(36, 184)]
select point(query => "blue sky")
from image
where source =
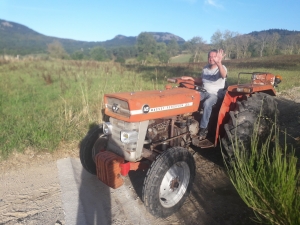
[(100, 20)]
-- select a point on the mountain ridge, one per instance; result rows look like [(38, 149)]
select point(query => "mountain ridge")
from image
[(16, 38)]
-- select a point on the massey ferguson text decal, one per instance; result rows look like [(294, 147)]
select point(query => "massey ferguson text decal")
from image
[(147, 109)]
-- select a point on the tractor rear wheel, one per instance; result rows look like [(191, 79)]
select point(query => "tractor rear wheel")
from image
[(91, 144), (168, 181), (258, 112)]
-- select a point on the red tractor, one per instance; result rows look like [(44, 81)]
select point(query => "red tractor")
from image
[(156, 128)]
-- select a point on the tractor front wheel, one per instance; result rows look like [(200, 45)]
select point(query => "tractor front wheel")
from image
[(90, 147), (168, 182)]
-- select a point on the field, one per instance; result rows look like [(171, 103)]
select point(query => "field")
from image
[(48, 106), (184, 58), (45, 104)]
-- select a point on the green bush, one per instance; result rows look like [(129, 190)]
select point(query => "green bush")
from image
[(267, 180)]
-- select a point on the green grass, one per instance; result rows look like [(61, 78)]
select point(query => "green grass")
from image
[(268, 180), (184, 58), (45, 103)]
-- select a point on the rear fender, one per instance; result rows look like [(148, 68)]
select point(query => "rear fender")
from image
[(252, 88), (230, 99), (227, 104)]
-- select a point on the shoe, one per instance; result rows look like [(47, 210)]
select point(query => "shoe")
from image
[(202, 133)]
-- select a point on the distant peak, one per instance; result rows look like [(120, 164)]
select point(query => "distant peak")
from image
[(166, 36), (119, 36), (6, 24)]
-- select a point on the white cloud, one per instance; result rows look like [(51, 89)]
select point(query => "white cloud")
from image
[(213, 3)]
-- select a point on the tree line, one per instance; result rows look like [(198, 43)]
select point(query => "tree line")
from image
[(148, 50), (257, 44)]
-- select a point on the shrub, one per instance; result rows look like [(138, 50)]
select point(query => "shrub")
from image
[(267, 180)]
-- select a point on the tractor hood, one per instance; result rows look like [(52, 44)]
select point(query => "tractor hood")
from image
[(146, 105)]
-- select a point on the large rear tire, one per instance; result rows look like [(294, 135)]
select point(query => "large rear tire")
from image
[(168, 182), (90, 146), (257, 111)]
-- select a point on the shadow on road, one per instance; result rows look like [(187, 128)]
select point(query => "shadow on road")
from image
[(94, 196), (85, 199), (95, 201)]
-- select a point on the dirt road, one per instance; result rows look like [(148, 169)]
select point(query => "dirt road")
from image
[(61, 192), (54, 189)]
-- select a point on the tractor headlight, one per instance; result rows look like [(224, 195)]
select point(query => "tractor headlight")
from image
[(129, 136), (107, 128)]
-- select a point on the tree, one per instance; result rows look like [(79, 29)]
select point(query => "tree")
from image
[(146, 46), (98, 53), (297, 44), (262, 40), (273, 43), (217, 40), (290, 44), (56, 50), (224, 40), (287, 45), (173, 47), (195, 46), (242, 43), (78, 55), (163, 52), (120, 59), (228, 43), (266, 43)]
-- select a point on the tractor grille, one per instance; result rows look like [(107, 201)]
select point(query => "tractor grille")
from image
[(115, 144), (118, 106)]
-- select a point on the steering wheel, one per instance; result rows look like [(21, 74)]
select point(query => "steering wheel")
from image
[(196, 87)]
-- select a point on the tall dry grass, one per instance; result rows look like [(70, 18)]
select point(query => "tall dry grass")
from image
[(45, 103)]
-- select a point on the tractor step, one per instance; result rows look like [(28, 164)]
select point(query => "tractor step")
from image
[(206, 143)]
